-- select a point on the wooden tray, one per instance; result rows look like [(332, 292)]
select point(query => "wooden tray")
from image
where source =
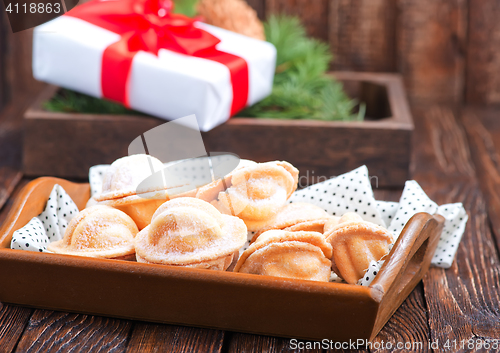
[(224, 300), (71, 143)]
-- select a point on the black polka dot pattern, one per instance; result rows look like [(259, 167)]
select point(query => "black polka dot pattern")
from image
[(48, 226), (408, 206), (96, 173), (387, 210), (454, 227), (371, 273), (351, 192), (414, 200)]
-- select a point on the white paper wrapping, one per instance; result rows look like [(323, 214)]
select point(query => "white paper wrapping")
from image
[(68, 52)]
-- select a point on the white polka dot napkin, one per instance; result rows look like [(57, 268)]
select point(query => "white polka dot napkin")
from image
[(352, 192), (49, 225), (96, 173), (414, 200)]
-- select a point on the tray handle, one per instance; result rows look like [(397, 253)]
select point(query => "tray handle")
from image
[(406, 265)]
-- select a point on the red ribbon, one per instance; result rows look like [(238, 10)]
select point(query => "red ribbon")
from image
[(141, 27)]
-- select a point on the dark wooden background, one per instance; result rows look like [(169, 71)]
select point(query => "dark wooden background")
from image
[(447, 50), (449, 54)]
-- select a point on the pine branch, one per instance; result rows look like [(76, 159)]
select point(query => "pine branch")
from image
[(73, 102)]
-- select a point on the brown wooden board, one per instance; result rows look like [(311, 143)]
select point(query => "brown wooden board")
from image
[(13, 320), (66, 145), (483, 130), (483, 55), (259, 6), (313, 14), (242, 342), (49, 331), (362, 34), (147, 337), (3, 59), (462, 301), (431, 36)]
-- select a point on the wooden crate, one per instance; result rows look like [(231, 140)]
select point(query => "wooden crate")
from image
[(66, 145)]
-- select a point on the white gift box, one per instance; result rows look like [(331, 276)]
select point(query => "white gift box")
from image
[(68, 52)]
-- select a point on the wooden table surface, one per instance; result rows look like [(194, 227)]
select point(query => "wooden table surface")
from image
[(456, 158)]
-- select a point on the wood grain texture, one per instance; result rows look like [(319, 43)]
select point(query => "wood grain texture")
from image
[(362, 34), (50, 331), (19, 74), (430, 40), (11, 131), (462, 301), (407, 325), (3, 58), (483, 56), (9, 178), (313, 14), (13, 320), (174, 339), (259, 6), (241, 342), (483, 131)]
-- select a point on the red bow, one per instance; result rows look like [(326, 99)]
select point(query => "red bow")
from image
[(148, 25)]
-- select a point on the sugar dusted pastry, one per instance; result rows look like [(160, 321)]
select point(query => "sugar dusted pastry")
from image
[(98, 231), (256, 193), (120, 183), (299, 216), (355, 243), (190, 232), (279, 253)]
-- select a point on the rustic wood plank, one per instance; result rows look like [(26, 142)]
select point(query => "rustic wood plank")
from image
[(3, 57), (259, 6), (483, 56), (483, 130), (11, 133), (313, 14), (50, 331), (168, 338), (242, 342), (362, 34), (408, 326), (462, 301), (9, 178), (13, 320), (19, 75), (430, 41)]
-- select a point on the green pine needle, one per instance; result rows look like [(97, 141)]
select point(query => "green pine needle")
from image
[(185, 7), (73, 102)]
